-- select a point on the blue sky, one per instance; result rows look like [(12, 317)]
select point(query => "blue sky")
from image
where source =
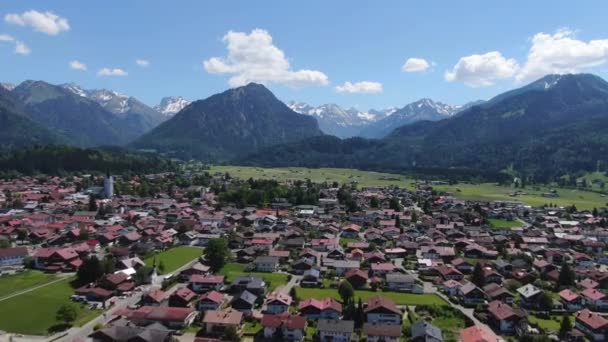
[(303, 50)]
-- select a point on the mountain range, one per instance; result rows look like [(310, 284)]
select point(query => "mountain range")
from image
[(351, 122), (555, 125)]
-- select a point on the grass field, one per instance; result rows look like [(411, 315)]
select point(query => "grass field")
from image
[(175, 258), (23, 281), (497, 223), (34, 312), (533, 195), (233, 270), (552, 324), (398, 297), (482, 192)]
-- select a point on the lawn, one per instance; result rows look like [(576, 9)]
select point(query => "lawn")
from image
[(23, 281), (532, 195), (467, 191), (252, 328), (500, 224), (34, 312), (398, 297), (233, 270), (552, 324), (363, 178), (175, 258), (345, 241)]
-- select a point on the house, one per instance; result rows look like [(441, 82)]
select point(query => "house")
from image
[(153, 298), (335, 330), (182, 297), (327, 308), (498, 292), (266, 264), (477, 333), (504, 318), (571, 301), (10, 257), (124, 333), (216, 321), (382, 332), (357, 278), (463, 265), (253, 284), (449, 273), (293, 327), (401, 282), (529, 296), (594, 299), (54, 259), (423, 331), (168, 316), (211, 300), (245, 302), (303, 264), (277, 303), (381, 269), (471, 295), (382, 310), (343, 266), (593, 325), (311, 278), (203, 283)]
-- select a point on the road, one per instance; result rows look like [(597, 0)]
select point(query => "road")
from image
[(295, 279)]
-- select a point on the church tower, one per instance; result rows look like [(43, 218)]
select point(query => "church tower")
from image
[(108, 185)]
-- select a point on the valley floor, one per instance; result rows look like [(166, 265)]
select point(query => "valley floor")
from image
[(532, 195)]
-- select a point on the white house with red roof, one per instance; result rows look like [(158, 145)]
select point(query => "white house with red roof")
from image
[(593, 325)]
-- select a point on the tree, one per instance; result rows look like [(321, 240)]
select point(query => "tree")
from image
[(414, 217), (565, 326), (478, 277), (92, 203), (566, 277), (161, 267), (83, 234), (90, 271), (142, 275), (67, 313), (346, 291), (359, 315), (230, 334), (595, 212), (395, 204), (546, 301), (398, 222), (217, 253), (374, 203), (21, 235)]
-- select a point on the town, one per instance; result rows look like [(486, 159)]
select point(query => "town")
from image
[(204, 257)]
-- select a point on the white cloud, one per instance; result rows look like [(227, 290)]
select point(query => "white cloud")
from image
[(254, 58), (415, 65), (562, 53), (144, 63), (77, 65), (364, 87), (6, 38), (21, 48), (111, 72), (45, 22), (482, 70)]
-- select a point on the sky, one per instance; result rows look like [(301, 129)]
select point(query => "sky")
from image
[(364, 54)]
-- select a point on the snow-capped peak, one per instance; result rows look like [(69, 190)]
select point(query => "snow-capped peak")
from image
[(171, 105), (76, 89), (8, 86)]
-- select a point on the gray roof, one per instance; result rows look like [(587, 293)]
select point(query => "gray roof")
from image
[(336, 325), (248, 297), (426, 329), (396, 277)]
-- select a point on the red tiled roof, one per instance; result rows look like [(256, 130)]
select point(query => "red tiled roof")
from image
[(323, 304), (568, 295), (500, 310), (213, 296), (477, 334), (286, 320), (206, 279), (226, 317), (591, 319), (381, 303), (593, 294)]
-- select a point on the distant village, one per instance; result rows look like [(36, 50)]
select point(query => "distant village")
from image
[(362, 263)]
